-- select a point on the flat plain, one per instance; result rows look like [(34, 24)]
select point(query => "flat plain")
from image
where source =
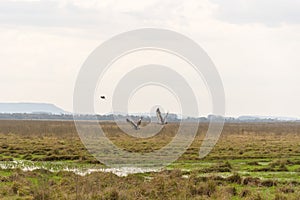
[(46, 160)]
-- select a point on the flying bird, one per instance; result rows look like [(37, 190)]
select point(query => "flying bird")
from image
[(133, 124), (161, 120)]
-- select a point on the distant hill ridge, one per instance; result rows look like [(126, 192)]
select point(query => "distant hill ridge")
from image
[(30, 108)]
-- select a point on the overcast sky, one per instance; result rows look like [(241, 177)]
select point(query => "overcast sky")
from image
[(254, 44)]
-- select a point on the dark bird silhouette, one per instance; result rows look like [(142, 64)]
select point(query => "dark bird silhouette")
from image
[(136, 125), (161, 120), (102, 97)]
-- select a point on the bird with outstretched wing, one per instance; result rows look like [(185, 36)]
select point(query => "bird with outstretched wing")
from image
[(161, 120), (136, 125)]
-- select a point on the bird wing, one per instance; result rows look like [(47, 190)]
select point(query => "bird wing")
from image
[(159, 117), (132, 123), (165, 119), (139, 122)]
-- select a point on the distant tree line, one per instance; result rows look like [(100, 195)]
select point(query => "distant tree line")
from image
[(119, 117)]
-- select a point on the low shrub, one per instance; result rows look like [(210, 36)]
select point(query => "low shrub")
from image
[(235, 178)]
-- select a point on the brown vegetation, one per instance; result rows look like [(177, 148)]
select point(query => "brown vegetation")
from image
[(253, 148)]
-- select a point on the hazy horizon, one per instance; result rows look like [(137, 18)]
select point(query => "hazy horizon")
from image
[(141, 113)]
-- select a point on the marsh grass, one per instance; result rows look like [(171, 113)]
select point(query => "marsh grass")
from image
[(250, 161)]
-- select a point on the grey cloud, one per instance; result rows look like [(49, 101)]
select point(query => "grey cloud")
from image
[(163, 10), (268, 12), (50, 13)]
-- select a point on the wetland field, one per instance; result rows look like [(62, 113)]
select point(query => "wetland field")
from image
[(47, 160)]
